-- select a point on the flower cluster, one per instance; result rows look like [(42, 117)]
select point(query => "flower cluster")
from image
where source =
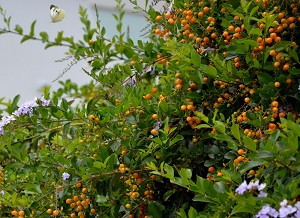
[(250, 187), (285, 210), (24, 109)]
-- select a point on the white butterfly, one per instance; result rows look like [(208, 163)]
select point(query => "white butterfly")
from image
[(57, 14)]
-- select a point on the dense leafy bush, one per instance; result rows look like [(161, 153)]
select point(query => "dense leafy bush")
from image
[(199, 120)]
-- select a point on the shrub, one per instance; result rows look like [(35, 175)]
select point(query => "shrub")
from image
[(199, 120)]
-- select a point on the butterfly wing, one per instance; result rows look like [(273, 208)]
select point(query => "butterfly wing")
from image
[(57, 14)]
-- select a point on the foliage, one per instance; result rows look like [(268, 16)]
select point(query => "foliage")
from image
[(199, 120)]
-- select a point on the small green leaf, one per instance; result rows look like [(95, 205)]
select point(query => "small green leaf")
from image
[(19, 29), (192, 213), (249, 143), (235, 131), (31, 34)]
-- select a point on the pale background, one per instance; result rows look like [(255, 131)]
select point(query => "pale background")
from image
[(26, 67)]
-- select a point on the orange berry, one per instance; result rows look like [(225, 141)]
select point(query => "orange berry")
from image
[(183, 107), (167, 15), (190, 107), (247, 100), (272, 126), (157, 31), (15, 213), (288, 81), (277, 84), (231, 28), (281, 114), (275, 103), (75, 198), (55, 213), (135, 175), (273, 52), (178, 86), (220, 174), (286, 67), (206, 9), (281, 15), (153, 131), (93, 211), (211, 169), (154, 116), (240, 158), (158, 17), (69, 201), (139, 181), (252, 172), (276, 64), (241, 151), (49, 211)]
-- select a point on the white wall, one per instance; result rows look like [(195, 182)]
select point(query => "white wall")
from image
[(24, 68)]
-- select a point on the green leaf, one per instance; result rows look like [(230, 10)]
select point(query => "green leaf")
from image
[(192, 213), (176, 139), (31, 34), (221, 187), (195, 57), (185, 175), (19, 29), (235, 131), (265, 78), (155, 209), (249, 165), (255, 31), (249, 143), (294, 54), (220, 126), (44, 36), (169, 171)]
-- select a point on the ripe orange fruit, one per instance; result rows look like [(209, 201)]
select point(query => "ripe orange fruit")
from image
[(139, 181), (214, 35), (157, 31), (93, 211), (281, 15), (183, 107), (275, 103), (14, 213), (158, 17), (190, 107), (231, 28), (276, 64), (277, 84), (272, 126), (273, 52), (247, 100), (200, 14), (286, 67), (154, 116), (241, 151), (252, 172), (153, 131), (69, 201), (281, 114), (288, 81), (220, 174), (206, 9), (167, 15), (211, 169), (55, 213)]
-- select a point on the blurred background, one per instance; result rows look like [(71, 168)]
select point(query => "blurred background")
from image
[(26, 67)]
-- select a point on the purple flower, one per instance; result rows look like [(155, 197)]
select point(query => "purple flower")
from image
[(45, 102), (242, 188), (65, 176), (266, 211), (26, 108), (262, 194), (286, 209), (157, 125), (252, 186)]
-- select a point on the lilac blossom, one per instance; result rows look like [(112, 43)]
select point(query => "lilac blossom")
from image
[(285, 210), (24, 109), (266, 211), (45, 102), (250, 187), (65, 176)]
